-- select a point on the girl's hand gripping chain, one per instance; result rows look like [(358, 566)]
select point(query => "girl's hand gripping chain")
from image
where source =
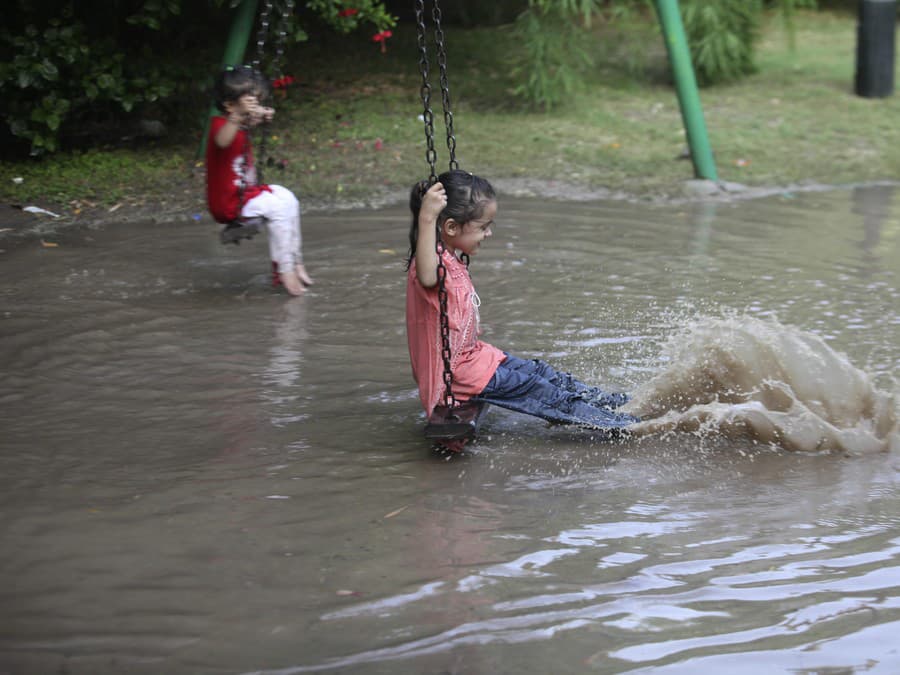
[(242, 113), (249, 113), (433, 203)]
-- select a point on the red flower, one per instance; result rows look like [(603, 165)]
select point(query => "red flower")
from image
[(344, 13), (382, 38), (283, 82)]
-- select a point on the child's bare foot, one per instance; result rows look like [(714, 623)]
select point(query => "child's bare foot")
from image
[(303, 276), (291, 283)]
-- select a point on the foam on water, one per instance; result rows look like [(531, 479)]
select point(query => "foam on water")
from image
[(757, 379)]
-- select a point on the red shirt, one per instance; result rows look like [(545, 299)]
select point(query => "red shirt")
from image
[(472, 361), (225, 167)]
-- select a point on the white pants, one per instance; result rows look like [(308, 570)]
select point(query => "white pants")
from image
[(281, 210)]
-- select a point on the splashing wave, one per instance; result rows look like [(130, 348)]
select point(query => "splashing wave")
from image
[(745, 377)]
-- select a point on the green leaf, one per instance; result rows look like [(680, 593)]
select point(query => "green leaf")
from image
[(49, 71)]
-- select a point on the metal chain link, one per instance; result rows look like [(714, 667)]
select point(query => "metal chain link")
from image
[(281, 38), (425, 92), (262, 33), (445, 83), (448, 399)]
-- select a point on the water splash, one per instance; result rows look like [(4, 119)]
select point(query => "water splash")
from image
[(760, 380)]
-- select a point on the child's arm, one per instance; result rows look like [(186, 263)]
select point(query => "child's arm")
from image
[(226, 133), (433, 202), (245, 113)]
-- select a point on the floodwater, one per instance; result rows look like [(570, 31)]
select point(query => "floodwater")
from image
[(201, 475)]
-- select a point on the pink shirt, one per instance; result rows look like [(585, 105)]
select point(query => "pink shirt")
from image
[(472, 362)]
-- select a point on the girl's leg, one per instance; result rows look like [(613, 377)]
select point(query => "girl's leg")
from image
[(296, 232), (591, 395), (518, 386), (279, 209)]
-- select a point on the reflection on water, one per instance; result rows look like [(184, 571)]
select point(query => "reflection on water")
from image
[(874, 205), (199, 475)]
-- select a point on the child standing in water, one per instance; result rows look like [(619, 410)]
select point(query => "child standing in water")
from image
[(231, 185), (463, 207)]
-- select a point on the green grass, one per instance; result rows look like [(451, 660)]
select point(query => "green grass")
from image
[(350, 130)]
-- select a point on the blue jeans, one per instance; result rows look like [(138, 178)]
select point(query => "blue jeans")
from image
[(536, 388)]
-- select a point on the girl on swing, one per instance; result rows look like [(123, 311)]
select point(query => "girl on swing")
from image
[(231, 188), (462, 207)]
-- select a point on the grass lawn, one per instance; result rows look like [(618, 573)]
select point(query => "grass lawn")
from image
[(350, 132)]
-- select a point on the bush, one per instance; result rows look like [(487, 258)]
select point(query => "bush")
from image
[(57, 76), (71, 70), (556, 57), (722, 36)]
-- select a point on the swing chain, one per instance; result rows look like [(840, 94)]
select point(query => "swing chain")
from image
[(448, 398), (262, 33), (285, 11), (281, 39), (445, 83), (425, 91)]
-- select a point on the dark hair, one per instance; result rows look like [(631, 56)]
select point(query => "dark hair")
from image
[(236, 81), (467, 195)]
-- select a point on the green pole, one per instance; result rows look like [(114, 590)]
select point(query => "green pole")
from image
[(686, 86), (238, 36)]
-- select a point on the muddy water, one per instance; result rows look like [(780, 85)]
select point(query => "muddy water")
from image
[(199, 475)]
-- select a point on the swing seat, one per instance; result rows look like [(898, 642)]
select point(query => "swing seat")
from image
[(455, 424), (242, 228)]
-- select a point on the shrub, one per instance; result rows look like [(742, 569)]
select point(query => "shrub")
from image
[(67, 68), (722, 36), (57, 75)]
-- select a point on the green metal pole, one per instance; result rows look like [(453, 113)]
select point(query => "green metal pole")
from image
[(238, 36), (686, 86)]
